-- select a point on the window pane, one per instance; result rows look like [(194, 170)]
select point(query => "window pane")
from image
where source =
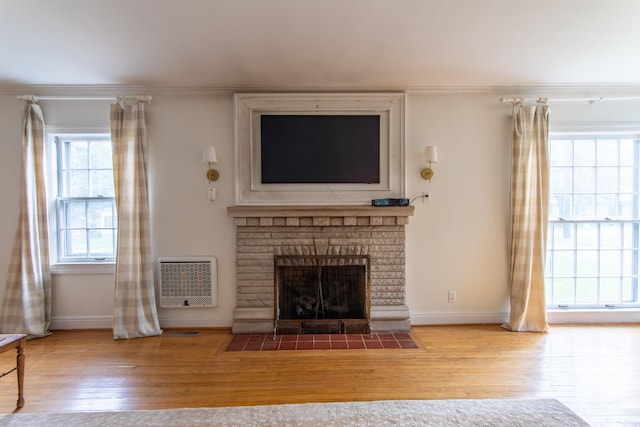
[(630, 236), (101, 242), (629, 264), (610, 264), (101, 157), (561, 179), (100, 214), (563, 263), (77, 155), (587, 236), (628, 206), (101, 183), (76, 243), (555, 207), (587, 291), (563, 291), (627, 152), (609, 290), (587, 264), (584, 180), (563, 235), (610, 236), (77, 183), (628, 290), (607, 180), (606, 206), (561, 153), (585, 153), (584, 207), (627, 179), (607, 152), (75, 214)]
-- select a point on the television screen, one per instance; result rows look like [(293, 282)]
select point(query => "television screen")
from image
[(331, 149)]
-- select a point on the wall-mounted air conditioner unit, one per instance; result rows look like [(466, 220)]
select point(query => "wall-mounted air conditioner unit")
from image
[(188, 282)]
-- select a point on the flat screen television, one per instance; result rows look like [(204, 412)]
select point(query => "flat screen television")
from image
[(316, 149)]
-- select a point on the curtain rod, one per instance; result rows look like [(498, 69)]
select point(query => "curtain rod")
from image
[(36, 98), (589, 100)]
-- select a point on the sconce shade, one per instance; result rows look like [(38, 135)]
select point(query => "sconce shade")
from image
[(431, 154), (209, 155)]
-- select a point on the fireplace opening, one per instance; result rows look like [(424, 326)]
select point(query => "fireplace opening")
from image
[(322, 294)]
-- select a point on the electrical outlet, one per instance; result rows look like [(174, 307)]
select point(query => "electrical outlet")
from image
[(452, 296), (426, 197)]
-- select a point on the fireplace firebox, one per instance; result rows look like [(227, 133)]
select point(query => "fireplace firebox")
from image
[(321, 294)]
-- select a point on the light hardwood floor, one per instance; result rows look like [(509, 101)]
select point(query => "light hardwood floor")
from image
[(594, 370)]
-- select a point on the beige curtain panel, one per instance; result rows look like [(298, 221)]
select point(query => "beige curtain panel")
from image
[(26, 307), (529, 212), (134, 313)]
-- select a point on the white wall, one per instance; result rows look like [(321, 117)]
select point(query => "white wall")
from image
[(457, 241), (11, 112)]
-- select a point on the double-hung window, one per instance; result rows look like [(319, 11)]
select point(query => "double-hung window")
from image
[(85, 214), (592, 246)]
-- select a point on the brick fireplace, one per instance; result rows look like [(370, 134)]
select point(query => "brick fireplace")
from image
[(264, 232)]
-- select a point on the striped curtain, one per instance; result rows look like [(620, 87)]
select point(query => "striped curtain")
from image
[(529, 211), (26, 307), (134, 313)]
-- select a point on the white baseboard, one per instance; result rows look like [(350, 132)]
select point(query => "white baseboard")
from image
[(417, 319), (106, 322), (83, 322), (207, 321), (457, 318), (553, 317)]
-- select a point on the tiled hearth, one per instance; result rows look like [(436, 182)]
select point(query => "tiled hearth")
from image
[(376, 340), (263, 232)]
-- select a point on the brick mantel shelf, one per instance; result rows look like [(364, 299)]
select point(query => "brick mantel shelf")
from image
[(262, 232)]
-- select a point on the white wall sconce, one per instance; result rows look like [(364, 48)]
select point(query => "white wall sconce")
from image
[(209, 156), (430, 156)]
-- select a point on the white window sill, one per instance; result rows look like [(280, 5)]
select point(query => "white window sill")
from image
[(84, 268)]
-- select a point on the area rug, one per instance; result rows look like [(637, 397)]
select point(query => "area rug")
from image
[(541, 412)]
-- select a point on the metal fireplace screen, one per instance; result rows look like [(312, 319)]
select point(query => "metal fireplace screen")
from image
[(319, 293)]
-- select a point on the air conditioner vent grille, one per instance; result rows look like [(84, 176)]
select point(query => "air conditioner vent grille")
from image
[(187, 282)]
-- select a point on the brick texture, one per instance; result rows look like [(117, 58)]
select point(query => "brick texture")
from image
[(259, 239)]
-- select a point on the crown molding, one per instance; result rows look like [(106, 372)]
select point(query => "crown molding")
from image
[(583, 90)]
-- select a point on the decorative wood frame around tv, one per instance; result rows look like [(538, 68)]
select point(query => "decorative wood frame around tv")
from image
[(313, 135)]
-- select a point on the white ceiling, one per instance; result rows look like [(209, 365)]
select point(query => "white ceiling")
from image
[(320, 44)]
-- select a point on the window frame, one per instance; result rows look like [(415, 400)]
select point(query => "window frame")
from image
[(598, 133), (59, 263)]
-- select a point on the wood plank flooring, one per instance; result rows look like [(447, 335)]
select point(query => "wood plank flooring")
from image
[(594, 370)]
